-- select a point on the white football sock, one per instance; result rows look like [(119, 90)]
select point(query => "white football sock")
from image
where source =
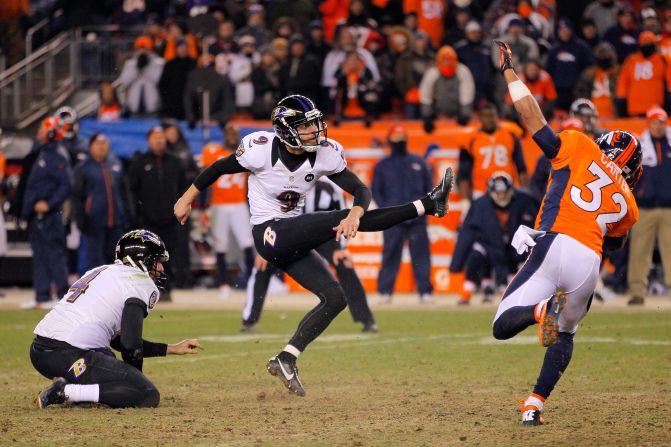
[(533, 400), (292, 350), (82, 393), (420, 207)]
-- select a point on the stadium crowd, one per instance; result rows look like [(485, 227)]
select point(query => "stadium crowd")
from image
[(359, 60)]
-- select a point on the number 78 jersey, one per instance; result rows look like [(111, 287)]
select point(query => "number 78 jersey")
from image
[(587, 197)]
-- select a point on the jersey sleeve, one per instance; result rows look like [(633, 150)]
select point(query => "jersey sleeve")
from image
[(251, 152), (140, 286), (334, 157), (569, 141)]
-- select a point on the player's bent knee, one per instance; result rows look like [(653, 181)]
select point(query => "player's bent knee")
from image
[(334, 298), (150, 398), (500, 330)]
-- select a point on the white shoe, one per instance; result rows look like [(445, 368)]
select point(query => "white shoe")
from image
[(385, 298), (224, 292), (38, 305), (426, 298)]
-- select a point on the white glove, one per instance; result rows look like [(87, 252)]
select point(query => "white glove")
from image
[(525, 238)]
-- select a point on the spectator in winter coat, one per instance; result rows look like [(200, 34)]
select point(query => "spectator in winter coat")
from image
[(597, 83), (474, 54), (224, 48), (603, 13), (446, 89), (358, 95), (173, 81), (541, 86), (430, 17), (410, 68), (206, 79), (316, 42), (265, 78), (300, 73), (256, 26), (644, 79), (624, 34), (568, 57), (653, 196), (140, 76), (99, 202), (240, 73)]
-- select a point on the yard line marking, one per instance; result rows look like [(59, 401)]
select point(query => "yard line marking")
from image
[(344, 341)]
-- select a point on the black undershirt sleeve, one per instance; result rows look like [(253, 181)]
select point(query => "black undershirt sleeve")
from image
[(228, 165), (548, 141), (349, 182), (133, 348)]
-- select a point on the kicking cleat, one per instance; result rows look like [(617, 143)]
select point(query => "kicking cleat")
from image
[(370, 326), (532, 416), (288, 374), (440, 193), (54, 394), (548, 324), (249, 328)]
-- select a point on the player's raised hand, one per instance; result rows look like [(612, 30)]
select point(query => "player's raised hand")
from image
[(189, 346), (505, 56)]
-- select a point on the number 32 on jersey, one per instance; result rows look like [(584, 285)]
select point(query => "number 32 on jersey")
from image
[(595, 187)]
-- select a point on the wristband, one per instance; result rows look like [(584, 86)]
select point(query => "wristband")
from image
[(518, 90)]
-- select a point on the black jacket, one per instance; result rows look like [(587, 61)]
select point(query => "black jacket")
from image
[(172, 85), (222, 99), (306, 79), (156, 184), (481, 225)]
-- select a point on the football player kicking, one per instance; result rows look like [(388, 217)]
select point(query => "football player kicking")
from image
[(588, 205), (283, 166), (106, 307)]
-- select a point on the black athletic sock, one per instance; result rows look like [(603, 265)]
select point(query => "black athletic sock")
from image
[(429, 205), (513, 321), (287, 357), (384, 218), (557, 358)]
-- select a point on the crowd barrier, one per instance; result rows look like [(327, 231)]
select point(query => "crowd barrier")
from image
[(364, 147)]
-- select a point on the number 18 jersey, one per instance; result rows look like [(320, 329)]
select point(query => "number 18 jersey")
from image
[(274, 191), (587, 197), (89, 315)]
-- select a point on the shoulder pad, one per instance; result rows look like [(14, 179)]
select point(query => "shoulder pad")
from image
[(253, 150)]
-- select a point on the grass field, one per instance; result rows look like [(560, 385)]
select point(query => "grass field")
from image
[(432, 377)]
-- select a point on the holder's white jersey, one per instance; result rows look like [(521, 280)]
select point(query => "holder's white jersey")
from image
[(274, 191), (89, 315)]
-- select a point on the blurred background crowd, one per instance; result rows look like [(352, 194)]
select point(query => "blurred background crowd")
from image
[(196, 62)]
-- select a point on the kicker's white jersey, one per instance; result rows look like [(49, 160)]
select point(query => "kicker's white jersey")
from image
[(274, 191), (89, 315)]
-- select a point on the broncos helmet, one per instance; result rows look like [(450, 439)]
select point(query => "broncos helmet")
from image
[(142, 249), (585, 111), (623, 149), (293, 111), (67, 116), (500, 188)]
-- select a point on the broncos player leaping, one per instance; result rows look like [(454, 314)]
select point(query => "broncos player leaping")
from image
[(283, 166), (588, 205)]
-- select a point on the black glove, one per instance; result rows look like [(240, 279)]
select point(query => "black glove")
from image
[(142, 61), (505, 56), (429, 126)]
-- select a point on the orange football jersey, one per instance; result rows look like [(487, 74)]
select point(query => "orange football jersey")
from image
[(587, 197), (430, 17), (642, 82), (230, 188), (491, 153)]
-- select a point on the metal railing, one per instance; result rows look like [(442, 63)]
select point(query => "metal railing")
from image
[(40, 27), (39, 83)]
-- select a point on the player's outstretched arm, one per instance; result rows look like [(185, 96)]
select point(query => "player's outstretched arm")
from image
[(228, 165), (526, 105), (188, 346), (523, 100)]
